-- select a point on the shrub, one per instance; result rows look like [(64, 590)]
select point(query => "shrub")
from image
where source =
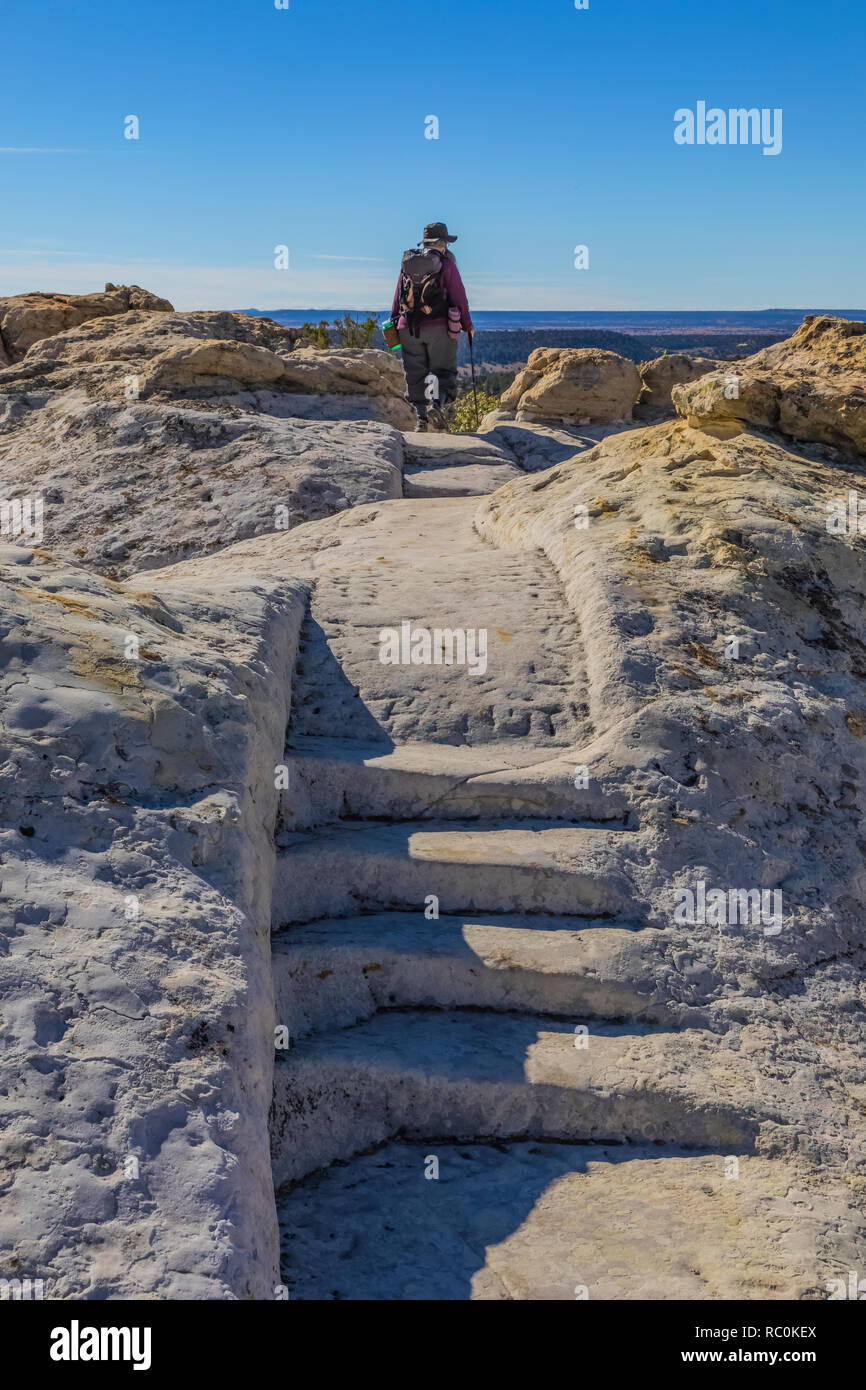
[(461, 415), (349, 332), (355, 334), (316, 335)]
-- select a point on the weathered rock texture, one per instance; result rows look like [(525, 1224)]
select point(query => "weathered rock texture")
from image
[(558, 1222), (131, 485), (27, 318), (659, 376), (139, 338), (690, 541), (812, 387), (475, 875), (739, 768), (227, 360), (574, 384), (138, 799), (151, 437)]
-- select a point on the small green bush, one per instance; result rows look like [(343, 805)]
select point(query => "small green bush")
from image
[(351, 333), (355, 334), (316, 335), (461, 415)]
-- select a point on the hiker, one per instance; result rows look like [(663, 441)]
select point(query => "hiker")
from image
[(429, 310)]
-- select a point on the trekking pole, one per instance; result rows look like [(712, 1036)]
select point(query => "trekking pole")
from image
[(474, 392)]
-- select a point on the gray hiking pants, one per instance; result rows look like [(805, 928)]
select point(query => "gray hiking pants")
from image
[(432, 351)]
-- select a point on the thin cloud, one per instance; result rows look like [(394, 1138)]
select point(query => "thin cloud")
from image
[(47, 251), (34, 149)]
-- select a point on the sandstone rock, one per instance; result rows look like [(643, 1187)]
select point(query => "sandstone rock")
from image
[(670, 702), (532, 1221), (182, 366), (584, 385), (366, 374), (346, 371), (660, 375), (678, 531), (27, 318), (719, 758), (137, 484), (389, 410), (235, 356), (535, 445), (466, 480), (812, 387), (143, 299), (455, 465), (186, 416), (135, 795), (136, 335)]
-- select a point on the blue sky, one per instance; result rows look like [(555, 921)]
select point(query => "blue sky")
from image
[(305, 127)]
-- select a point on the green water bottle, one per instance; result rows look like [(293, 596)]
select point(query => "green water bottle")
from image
[(392, 337)]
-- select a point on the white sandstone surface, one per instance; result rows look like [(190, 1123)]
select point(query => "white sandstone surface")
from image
[(432, 910)]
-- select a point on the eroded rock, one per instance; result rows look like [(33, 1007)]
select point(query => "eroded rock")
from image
[(136, 784), (138, 335), (577, 385), (659, 376), (150, 437), (812, 387), (139, 484), (222, 358), (670, 705), (25, 319)]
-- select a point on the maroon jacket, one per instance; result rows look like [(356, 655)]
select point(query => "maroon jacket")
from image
[(452, 286)]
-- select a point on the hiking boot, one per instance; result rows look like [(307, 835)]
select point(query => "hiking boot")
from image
[(437, 418), (420, 426)]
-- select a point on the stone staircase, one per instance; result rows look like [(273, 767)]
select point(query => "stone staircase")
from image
[(456, 465), (524, 1013), (462, 970), (431, 973)]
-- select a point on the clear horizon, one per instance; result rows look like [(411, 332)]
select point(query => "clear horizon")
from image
[(260, 128), (591, 309)]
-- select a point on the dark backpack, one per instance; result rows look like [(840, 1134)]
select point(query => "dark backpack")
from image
[(421, 293)]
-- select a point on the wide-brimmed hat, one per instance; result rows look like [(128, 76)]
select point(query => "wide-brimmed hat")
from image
[(437, 231)]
